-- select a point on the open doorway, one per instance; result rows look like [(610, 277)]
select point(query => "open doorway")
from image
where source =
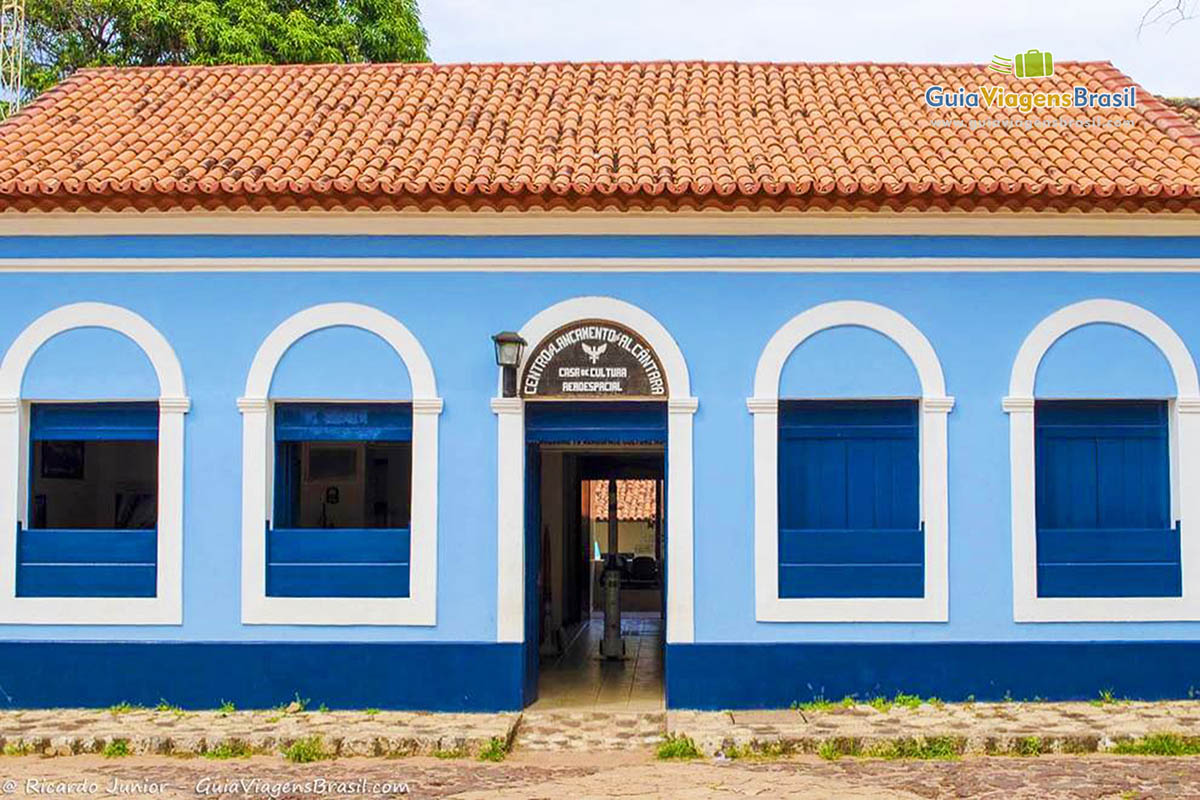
[(596, 592), (586, 532)]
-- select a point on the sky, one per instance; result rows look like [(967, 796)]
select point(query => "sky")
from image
[(1163, 60)]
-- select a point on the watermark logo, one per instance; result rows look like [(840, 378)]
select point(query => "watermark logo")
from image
[(1030, 64)]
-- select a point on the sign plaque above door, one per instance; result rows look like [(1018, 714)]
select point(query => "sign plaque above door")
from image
[(593, 359)]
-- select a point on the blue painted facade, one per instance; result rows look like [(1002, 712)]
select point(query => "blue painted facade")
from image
[(976, 321)]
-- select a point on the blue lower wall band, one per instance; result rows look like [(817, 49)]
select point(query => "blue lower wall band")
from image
[(727, 676), (488, 677), (434, 677)]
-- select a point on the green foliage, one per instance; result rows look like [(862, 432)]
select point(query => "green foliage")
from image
[(1106, 698), (167, 708), (849, 702), (909, 701), (1159, 744), (116, 748), (677, 747), (818, 703), (1029, 746), (226, 708), (122, 708), (927, 747), (230, 748), (880, 704), (306, 750), (833, 749), (18, 748), (458, 751), (370, 712), (65, 35), (494, 750)]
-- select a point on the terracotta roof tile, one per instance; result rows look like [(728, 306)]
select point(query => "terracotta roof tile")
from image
[(626, 135), (635, 500)]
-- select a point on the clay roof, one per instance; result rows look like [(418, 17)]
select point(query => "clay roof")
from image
[(1188, 107), (635, 500), (625, 135)]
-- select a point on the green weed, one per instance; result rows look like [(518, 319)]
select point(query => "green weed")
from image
[(925, 748), (226, 708), (1029, 746), (494, 750), (17, 749), (231, 748), (1159, 744), (116, 748), (306, 750), (677, 746), (459, 751), (370, 712)]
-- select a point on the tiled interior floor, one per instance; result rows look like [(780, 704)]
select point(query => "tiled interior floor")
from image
[(580, 679)]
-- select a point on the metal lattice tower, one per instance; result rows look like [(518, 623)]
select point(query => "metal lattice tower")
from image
[(12, 52)]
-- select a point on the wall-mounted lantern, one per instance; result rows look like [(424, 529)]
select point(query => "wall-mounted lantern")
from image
[(509, 347)]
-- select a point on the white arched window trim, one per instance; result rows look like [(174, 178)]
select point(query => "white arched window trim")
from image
[(1185, 456), (258, 446), (934, 407), (510, 418), (166, 607)]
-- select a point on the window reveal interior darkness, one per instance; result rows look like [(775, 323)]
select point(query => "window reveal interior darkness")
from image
[(343, 484), (93, 501), (94, 485)]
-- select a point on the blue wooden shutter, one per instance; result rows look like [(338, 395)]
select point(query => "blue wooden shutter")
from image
[(849, 508), (338, 562), (93, 562), (1104, 500)]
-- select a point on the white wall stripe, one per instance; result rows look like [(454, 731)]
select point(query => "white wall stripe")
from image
[(691, 264)]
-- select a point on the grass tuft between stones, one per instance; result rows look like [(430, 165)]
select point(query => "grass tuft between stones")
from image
[(230, 748), (677, 747), (1159, 744), (923, 748), (306, 750), (494, 750), (117, 748)]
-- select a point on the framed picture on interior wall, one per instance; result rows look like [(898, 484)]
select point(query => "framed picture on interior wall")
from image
[(62, 460)]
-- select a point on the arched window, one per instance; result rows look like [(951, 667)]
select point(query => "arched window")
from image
[(116, 557), (1104, 490), (339, 497), (825, 561)]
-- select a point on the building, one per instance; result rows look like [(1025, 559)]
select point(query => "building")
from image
[(917, 384)]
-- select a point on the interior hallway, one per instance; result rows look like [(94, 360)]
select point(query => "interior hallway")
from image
[(580, 679)]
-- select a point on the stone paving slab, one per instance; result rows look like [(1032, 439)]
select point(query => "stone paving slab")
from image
[(590, 730), (344, 733), (978, 728)]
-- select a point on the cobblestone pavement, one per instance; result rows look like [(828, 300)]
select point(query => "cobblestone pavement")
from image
[(994, 728), (589, 730), (630, 774), (347, 733)]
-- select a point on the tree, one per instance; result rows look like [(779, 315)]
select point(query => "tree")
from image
[(64, 35)]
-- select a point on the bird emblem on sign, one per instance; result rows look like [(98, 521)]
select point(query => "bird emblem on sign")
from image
[(594, 353)]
